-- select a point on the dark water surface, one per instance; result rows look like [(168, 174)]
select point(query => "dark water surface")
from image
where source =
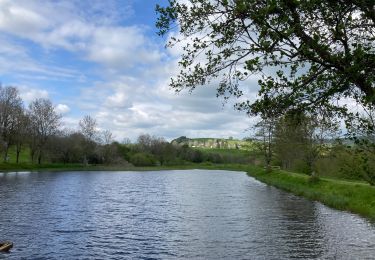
[(193, 214)]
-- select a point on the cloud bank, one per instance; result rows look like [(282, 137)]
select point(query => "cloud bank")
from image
[(95, 58)]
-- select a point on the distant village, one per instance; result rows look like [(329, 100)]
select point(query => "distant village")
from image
[(213, 143)]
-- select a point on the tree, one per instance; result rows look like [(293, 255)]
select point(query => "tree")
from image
[(288, 140), (309, 53), (108, 149), (363, 133), (44, 122), (66, 147), (144, 142), (265, 130), (21, 133), (302, 137), (318, 128), (11, 110), (88, 128)]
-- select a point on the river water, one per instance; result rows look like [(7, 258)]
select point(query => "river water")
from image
[(194, 214)]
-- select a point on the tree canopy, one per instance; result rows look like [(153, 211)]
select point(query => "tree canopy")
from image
[(305, 54)]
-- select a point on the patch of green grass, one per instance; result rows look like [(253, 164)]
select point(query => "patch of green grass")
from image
[(24, 155)]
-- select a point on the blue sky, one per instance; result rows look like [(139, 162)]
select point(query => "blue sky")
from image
[(103, 58)]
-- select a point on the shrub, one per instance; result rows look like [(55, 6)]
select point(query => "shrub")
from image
[(143, 159)]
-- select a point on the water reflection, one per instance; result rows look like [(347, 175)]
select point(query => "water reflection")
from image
[(169, 215)]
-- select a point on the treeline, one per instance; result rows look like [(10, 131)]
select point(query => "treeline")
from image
[(37, 130), (152, 150), (313, 143)]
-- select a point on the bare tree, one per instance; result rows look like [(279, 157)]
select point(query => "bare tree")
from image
[(45, 122), (88, 128), (107, 137), (144, 141)]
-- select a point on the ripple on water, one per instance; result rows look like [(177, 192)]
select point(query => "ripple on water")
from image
[(170, 215)]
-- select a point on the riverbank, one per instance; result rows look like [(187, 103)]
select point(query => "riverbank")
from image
[(356, 197)]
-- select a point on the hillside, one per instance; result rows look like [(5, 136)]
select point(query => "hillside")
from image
[(215, 143)]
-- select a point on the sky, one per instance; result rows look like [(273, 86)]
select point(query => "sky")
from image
[(105, 59)]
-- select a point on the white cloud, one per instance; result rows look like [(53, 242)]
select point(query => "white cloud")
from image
[(19, 20), (62, 109), (132, 96), (131, 106), (29, 94), (121, 47), (93, 33)]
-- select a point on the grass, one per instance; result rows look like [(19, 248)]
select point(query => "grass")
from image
[(24, 155)]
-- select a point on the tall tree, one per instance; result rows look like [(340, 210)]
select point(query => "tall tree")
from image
[(363, 133), (289, 138), (11, 107), (21, 133), (303, 137), (44, 121), (265, 130), (88, 128), (309, 53)]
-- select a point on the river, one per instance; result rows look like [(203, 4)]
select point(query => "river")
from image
[(192, 214)]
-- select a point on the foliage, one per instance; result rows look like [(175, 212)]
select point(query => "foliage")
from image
[(301, 139), (143, 159), (308, 53), (11, 118), (363, 134), (265, 130)]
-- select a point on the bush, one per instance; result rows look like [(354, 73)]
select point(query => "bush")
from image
[(143, 159), (215, 158)]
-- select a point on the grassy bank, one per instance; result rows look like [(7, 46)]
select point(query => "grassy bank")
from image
[(356, 197)]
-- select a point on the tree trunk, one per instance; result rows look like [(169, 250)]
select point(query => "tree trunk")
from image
[(6, 153), (85, 161), (18, 151), (32, 154), (40, 158)]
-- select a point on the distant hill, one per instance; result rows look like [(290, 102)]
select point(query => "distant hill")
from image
[(214, 143)]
